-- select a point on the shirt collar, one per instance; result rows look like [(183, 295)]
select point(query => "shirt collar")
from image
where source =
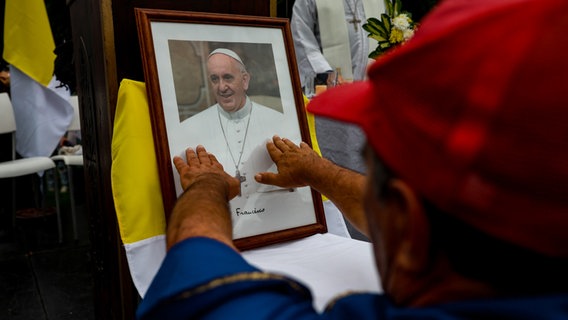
[(239, 114)]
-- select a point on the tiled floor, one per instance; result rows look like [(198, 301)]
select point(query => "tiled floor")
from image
[(42, 279)]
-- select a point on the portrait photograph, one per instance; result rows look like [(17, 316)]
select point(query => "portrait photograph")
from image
[(229, 85)]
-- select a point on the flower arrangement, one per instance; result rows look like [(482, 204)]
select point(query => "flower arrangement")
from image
[(395, 27)]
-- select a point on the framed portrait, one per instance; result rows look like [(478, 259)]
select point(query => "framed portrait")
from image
[(229, 83)]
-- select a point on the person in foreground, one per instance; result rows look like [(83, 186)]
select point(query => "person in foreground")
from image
[(464, 197)]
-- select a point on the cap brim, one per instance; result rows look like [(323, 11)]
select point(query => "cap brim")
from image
[(347, 103)]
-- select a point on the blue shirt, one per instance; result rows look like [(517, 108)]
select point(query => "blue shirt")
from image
[(205, 279)]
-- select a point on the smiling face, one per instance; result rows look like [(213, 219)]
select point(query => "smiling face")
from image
[(229, 80)]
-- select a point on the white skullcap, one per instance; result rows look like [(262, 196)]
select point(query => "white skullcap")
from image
[(227, 52)]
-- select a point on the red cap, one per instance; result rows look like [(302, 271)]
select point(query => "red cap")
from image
[(473, 113)]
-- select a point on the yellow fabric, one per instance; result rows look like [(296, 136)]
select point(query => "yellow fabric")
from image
[(134, 174), (28, 42), (312, 127), (313, 137)]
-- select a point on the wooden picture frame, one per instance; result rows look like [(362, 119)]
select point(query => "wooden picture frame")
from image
[(176, 47)]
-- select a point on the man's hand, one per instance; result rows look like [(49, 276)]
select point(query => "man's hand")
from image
[(203, 209), (294, 163), (199, 165), (300, 166)]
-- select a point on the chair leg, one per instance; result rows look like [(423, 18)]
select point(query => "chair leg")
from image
[(14, 210), (57, 205), (72, 199), (38, 190)]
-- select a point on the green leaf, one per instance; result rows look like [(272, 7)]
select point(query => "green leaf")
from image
[(374, 54), (370, 29), (371, 24), (375, 26), (373, 20), (386, 22), (378, 37), (388, 7), (397, 8)]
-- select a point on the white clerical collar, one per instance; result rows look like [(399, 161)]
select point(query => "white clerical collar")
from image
[(239, 114)]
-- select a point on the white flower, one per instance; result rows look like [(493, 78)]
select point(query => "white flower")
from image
[(407, 34), (401, 22)]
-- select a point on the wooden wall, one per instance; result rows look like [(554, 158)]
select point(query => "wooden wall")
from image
[(106, 50)]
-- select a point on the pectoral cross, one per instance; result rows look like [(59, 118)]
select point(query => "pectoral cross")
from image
[(354, 21), (241, 180)]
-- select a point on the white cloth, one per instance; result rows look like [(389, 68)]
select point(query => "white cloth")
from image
[(144, 260), (42, 114), (307, 40), (328, 265), (334, 220), (145, 257)]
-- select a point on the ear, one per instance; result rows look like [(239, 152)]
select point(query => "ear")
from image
[(413, 253), (246, 80)]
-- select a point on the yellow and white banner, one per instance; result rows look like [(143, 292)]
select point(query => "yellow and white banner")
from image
[(41, 105), (136, 185)]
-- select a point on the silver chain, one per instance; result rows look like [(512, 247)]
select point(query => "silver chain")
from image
[(227, 141)]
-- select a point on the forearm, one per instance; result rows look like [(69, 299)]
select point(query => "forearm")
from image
[(344, 187), (202, 211)]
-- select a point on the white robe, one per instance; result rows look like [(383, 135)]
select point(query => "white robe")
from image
[(227, 142), (338, 142), (260, 207)]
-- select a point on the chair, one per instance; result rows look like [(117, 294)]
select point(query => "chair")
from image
[(21, 167), (70, 161)]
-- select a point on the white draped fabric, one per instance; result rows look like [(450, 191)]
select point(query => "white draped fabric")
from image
[(42, 114), (327, 264)]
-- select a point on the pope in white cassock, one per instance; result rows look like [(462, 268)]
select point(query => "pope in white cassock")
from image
[(328, 34), (236, 130)]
